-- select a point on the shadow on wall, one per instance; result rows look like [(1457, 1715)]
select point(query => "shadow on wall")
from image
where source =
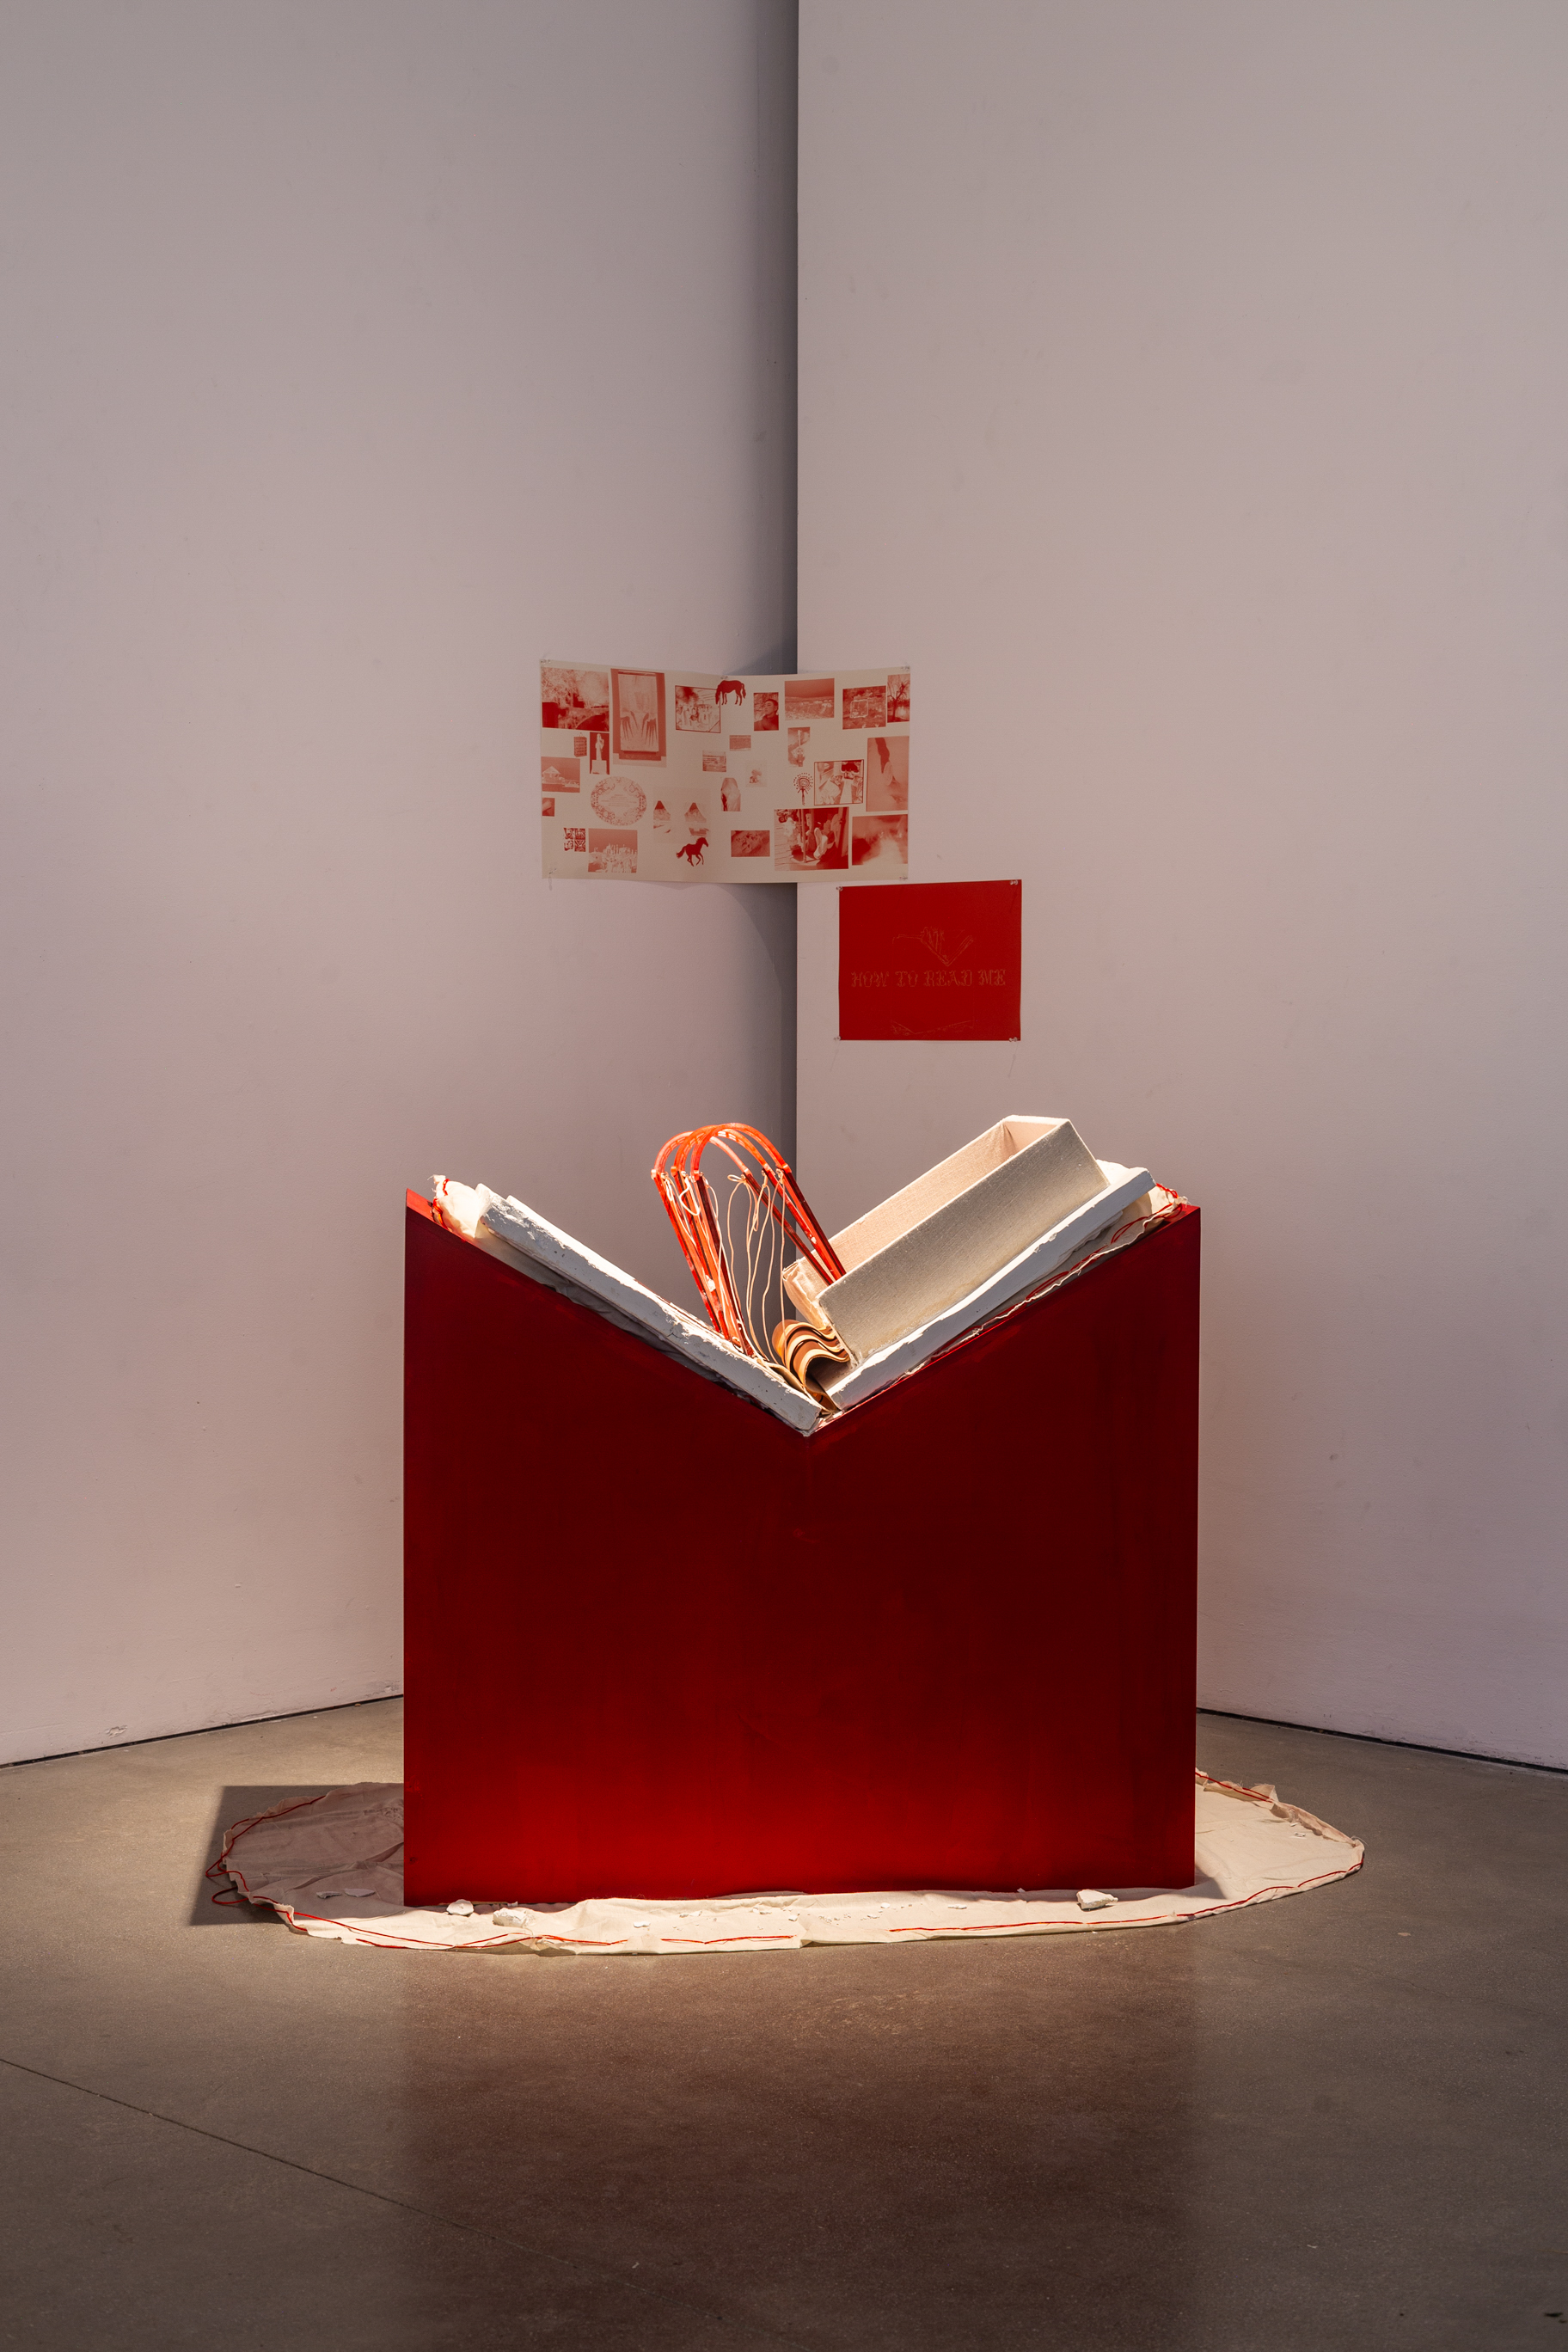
[(770, 907)]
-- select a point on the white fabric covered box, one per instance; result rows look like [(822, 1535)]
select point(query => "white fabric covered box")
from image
[(949, 1231)]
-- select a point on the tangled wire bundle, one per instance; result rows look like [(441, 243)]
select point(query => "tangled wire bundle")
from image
[(738, 1244)]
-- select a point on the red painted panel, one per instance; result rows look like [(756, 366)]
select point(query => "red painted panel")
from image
[(660, 1644), (935, 960)]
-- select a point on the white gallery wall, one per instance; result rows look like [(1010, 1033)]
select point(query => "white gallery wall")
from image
[(355, 356), (1184, 393)]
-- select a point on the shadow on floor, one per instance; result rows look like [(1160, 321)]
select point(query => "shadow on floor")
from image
[(238, 1804), (1333, 2124)]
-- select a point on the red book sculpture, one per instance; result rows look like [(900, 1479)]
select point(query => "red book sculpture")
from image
[(660, 1644)]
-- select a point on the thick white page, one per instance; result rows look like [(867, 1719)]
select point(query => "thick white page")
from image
[(1032, 1265)]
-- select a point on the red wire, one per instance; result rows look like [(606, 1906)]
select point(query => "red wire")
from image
[(688, 1199)]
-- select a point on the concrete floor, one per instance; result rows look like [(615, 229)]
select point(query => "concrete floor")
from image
[(1336, 2120)]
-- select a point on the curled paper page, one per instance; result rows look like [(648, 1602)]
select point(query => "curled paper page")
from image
[(676, 776), (553, 1258)]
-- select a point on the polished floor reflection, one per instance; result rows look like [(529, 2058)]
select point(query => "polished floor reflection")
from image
[(1335, 2121)]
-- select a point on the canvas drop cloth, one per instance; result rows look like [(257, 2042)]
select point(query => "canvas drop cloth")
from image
[(333, 1865)]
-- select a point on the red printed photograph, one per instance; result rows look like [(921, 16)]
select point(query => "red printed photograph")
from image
[(612, 853), (696, 711), (570, 696), (799, 737), (694, 849), (562, 773), (810, 698), (715, 763), (598, 755), (574, 838), (888, 772), (740, 743), (764, 712), (879, 843), (636, 708), (580, 746), (897, 698), (619, 800), (749, 843), (837, 783), (933, 960), (865, 706), (810, 840), (549, 805)]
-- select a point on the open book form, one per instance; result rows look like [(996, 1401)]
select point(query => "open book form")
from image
[(521, 1238)]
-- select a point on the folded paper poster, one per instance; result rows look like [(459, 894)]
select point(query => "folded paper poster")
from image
[(676, 776)]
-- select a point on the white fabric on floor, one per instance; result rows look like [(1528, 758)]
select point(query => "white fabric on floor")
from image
[(333, 1865)]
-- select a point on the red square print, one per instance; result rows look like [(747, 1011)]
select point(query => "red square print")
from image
[(933, 960)]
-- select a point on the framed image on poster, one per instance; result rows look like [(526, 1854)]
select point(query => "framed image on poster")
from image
[(636, 714)]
